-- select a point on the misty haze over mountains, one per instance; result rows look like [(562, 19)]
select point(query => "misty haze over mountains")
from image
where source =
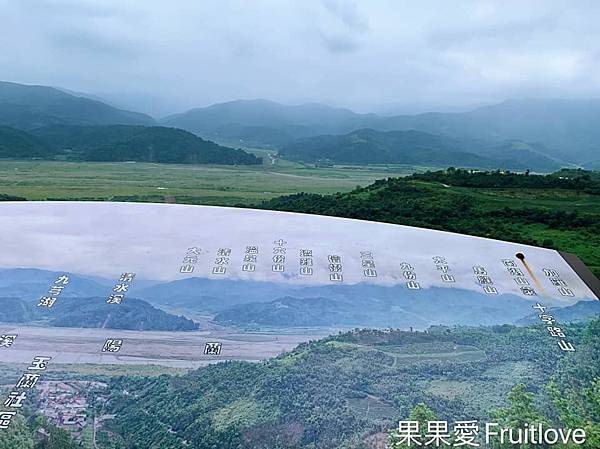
[(567, 128), (247, 303), (542, 134)]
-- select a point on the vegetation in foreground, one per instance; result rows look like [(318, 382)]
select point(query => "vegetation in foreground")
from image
[(348, 390)]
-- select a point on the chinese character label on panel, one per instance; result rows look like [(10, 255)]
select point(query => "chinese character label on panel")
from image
[(335, 268), (250, 258), (550, 272), (519, 277), (221, 261), (528, 291), (6, 341), (189, 261), (441, 264), (212, 348), (120, 288), (554, 276), (39, 363), (279, 256), (112, 345), (28, 380), (368, 264), (54, 291), (127, 277), (553, 330), (113, 298), (306, 262), (219, 270), (15, 399), (408, 433), (484, 280), (5, 419), (409, 273)]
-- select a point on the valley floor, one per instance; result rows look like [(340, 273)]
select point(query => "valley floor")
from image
[(191, 184), (168, 349)]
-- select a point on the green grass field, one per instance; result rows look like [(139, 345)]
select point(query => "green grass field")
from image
[(192, 184)]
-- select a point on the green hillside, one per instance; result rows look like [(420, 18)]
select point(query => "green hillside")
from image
[(17, 144), (377, 307), (345, 391), (118, 143), (133, 314), (367, 146), (566, 127), (556, 131), (29, 107), (558, 212)]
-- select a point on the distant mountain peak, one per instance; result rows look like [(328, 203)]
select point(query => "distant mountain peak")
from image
[(32, 106)]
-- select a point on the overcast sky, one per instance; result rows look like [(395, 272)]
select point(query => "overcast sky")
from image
[(164, 56)]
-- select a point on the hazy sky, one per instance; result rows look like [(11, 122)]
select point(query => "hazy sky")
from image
[(163, 56)]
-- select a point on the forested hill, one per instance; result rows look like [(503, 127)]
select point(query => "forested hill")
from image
[(261, 122), (568, 128), (94, 312), (347, 390), (18, 144), (559, 211), (29, 107), (117, 143), (368, 146)]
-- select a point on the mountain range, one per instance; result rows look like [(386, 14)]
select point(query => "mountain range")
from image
[(263, 122), (367, 146), (82, 312), (257, 304), (541, 134), (29, 107), (382, 307), (118, 143), (578, 312), (38, 122), (567, 128), (266, 304), (563, 129), (81, 304)]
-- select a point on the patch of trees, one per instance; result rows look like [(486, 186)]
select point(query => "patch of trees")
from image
[(571, 180), (118, 143)]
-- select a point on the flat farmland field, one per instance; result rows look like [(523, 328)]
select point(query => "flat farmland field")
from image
[(191, 184)]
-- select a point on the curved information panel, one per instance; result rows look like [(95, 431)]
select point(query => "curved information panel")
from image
[(135, 286)]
